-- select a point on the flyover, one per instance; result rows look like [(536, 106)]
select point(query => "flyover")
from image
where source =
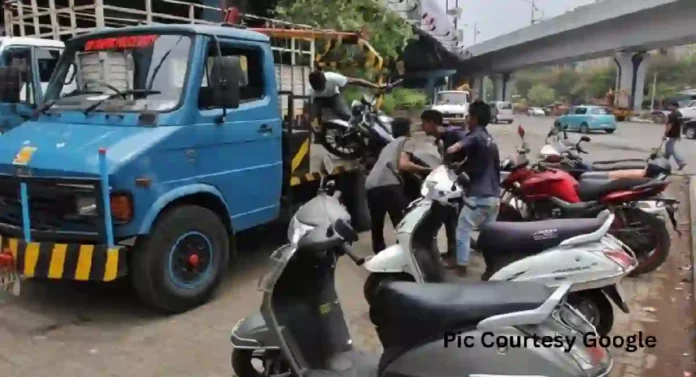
[(626, 30)]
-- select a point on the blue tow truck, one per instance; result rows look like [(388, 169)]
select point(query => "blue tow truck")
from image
[(171, 142)]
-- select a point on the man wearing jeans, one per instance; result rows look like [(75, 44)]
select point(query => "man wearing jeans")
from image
[(482, 164), (673, 133)]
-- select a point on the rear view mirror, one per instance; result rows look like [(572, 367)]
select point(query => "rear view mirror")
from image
[(585, 138), (520, 131), (225, 75), (10, 84)]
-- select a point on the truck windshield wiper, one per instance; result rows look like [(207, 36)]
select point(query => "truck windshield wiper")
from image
[(45, 106), (119, 94)]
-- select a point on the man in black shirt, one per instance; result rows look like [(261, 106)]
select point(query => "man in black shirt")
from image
[(482, 164), (673, 133)]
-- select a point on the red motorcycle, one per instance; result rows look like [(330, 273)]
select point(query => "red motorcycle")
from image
[(537, 192)]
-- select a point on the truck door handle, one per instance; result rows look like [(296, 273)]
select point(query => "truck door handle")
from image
[(264, 129)]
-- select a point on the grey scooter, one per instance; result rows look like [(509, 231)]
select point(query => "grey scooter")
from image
[(301, 330)]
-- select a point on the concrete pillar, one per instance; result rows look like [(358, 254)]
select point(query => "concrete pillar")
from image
[(498, 86), (502, 85), (509, 84), (479, 87), (631, 70)]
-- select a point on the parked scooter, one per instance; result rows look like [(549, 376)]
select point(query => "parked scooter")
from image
[(364, 135), (301, 328), (550, 252), (536, 193)]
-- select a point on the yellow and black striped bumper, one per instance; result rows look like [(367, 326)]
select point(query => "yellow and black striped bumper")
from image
[(66, 261)]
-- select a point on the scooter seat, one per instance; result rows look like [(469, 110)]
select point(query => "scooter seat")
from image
[(622, 165), (593, 189), (408, 314), (528, 238)]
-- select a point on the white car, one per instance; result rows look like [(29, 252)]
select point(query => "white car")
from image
[(535, 111), (453, 104), (689, 111)]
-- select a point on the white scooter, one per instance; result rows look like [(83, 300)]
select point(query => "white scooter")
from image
[(551, 252)]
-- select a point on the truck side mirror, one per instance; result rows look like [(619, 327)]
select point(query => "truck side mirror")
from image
[(10, 84), (225, 74)]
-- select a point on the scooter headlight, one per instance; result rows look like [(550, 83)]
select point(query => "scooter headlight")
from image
[(297, 230)]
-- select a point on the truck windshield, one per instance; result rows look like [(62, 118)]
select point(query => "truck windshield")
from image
[(121, 73), (451, 98)]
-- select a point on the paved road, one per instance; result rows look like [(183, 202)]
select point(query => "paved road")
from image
[(79, 330)]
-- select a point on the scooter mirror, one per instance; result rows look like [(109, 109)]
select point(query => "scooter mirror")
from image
[(585, 139), (345, 230), (520, 131)]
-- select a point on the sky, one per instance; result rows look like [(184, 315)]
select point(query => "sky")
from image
[(498, 17)]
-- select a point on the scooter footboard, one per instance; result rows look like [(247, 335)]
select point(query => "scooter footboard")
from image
[(253, 333)]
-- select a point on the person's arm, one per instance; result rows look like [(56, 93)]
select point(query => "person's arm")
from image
[(463, 144), (404, 164), (362, 82)]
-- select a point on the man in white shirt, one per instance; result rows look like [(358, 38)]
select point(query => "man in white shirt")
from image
[(326, 92)]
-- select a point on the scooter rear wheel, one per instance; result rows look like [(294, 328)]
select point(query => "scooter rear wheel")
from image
[(596, 308), (243, 367)]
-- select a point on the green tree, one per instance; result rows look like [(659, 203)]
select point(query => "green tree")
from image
[(599, 81), (388, 32), (564, 82), (541, 95)]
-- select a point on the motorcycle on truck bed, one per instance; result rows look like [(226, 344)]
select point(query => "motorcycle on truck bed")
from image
[(172, 142)]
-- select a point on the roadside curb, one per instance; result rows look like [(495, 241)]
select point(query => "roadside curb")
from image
[(692, 225)]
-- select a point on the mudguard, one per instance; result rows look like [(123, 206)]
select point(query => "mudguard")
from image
[(390, 260), (613, 294), (252, 333)]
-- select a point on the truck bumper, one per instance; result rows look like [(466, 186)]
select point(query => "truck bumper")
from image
[(64, 261)]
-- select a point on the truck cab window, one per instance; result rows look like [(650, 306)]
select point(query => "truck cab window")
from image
[(20, 56), (251, 86), (46, 60)]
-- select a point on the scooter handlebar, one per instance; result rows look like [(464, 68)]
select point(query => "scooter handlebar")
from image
[(347, 250)]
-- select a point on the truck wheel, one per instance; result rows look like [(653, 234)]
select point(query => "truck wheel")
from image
[(584, 128), (690, 133), (620, 118), (181, 262), (356, 203)]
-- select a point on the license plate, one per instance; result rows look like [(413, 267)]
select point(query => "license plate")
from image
[(10, 281)]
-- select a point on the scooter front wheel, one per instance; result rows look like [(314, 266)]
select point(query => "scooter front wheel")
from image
[(596, 308), (243, 363)]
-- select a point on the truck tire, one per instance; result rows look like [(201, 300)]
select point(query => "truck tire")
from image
[(356, 202), (180, 264), (690, 132)]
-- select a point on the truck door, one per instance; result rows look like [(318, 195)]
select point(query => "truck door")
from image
[(242, 157)]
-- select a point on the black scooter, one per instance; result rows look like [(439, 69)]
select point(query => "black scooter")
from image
[(301, 328)]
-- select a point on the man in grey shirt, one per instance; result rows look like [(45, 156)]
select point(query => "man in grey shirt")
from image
[(385, 191)]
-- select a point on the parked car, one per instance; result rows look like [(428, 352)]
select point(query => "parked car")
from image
[(501, 111), (587, 119), (689, 129), (536, 111), (689, 110)]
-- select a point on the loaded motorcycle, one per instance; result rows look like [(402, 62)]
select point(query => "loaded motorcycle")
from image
[(535, 193), (364, 135), (549, 252), (301, 328)]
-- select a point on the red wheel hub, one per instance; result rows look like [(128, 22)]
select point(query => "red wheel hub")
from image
[(194, 260)]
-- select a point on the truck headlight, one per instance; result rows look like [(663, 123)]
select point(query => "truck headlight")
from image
[(86, 206)]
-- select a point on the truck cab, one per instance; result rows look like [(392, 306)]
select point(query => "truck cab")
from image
[(169, 143), (36, 58)]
